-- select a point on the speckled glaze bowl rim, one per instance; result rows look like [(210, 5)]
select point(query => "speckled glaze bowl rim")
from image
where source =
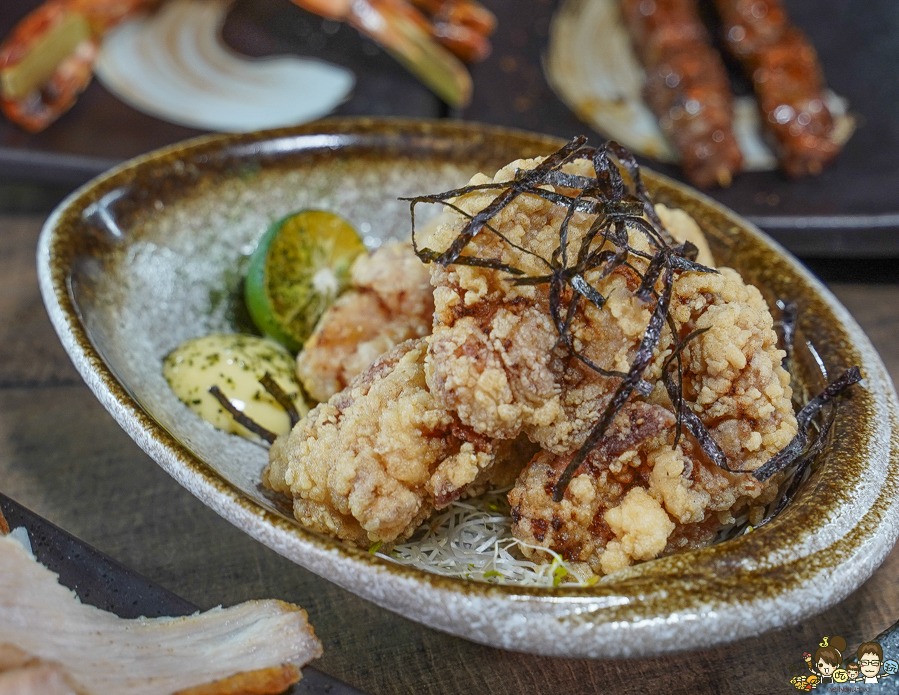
[(741, 588)]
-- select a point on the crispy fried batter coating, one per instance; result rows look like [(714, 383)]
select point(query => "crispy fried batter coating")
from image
[(371, 463), (635, 497), (732, 373), (390, 301), (636, 502), (456, 412), (491, 356), (494, 359)]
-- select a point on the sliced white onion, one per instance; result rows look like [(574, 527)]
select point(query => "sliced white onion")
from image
[(592, 66), (174, 65)]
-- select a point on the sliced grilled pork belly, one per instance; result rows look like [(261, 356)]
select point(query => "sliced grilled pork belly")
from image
[(255, 647)]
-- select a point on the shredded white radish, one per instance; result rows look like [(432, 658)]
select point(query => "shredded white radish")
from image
[(472, 539)]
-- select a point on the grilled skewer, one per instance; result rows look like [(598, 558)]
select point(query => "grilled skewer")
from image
[(686, 87), (48, 58), (788, 82)]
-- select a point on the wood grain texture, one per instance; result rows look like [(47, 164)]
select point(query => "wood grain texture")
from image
[(65, 458)]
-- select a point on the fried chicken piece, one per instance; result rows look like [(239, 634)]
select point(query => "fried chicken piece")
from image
[(494, 359), (491, 356), (636, 497), (576, 528), (733, 376), (390, 301), (686, 87), (370, 464)]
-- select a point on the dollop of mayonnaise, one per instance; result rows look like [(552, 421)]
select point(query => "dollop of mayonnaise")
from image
[(235, 363)]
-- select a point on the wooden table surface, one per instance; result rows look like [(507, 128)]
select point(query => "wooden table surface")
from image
[(65, 458)]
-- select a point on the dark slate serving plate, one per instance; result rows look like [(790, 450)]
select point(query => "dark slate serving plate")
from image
[(101, 131), (850, 210), (102, 582)]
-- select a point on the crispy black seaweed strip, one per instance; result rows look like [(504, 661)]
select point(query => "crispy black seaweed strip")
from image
[(802, 464), (610, 232), (650, 277), (559, 261), (609, 176), (602, 204), (565, 339), (556, 283), (783, 458), (804, 417), (530, 280), (789, 314), (690, 251), (678, 260), (563, 326), (629, 162), (587, 291), (600, 226), (795, 451), (590, 207), (242, 419), (679, 419), (695, 426), (609, 259), (607, 171), (281, 397), (514, 189), (676, 389), (684, 264), (430, 256), (582, 288), (642, 226), (627, 385), (560, 178), (560, 253), (563, 329), (491, 263)]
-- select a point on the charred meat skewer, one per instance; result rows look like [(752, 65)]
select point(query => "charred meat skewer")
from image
[(686, 87), (788, 81)]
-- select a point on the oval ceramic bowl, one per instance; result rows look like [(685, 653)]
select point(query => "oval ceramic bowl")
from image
[(151, 254)]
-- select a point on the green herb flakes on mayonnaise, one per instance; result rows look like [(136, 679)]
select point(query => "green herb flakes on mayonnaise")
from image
[(235, 364)]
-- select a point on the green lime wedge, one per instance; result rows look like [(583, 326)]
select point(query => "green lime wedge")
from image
[(301, 265)]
